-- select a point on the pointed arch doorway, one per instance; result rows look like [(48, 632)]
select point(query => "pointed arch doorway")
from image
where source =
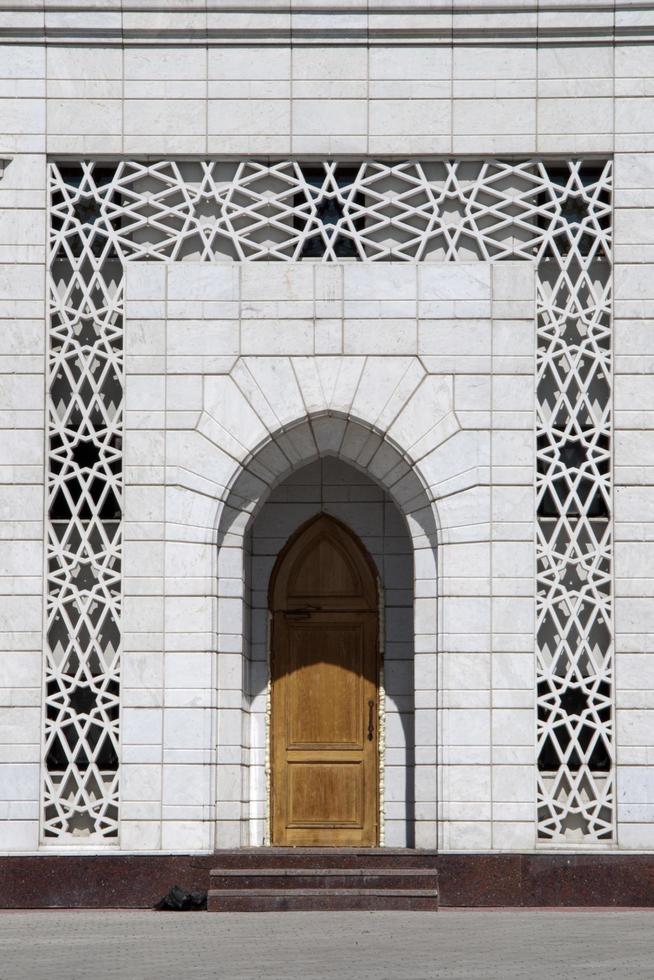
[(324, 696)]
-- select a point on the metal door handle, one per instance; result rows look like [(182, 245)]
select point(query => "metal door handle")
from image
[(371, 722)]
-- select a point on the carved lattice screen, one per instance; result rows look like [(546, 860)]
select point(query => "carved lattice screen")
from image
[(557, 214)]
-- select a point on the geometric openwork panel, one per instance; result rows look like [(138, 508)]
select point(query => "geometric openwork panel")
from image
[(84, 532), (102, 215), (574, 619)]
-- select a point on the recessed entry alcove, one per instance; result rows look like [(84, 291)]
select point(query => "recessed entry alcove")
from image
[(378, 541), (332, 487)]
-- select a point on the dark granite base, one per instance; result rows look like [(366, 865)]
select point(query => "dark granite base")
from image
[(520, 880), (530, 880), (92, 882)]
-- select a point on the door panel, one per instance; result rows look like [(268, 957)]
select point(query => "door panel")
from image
[(324, 691), (325, 569), (325, 792), (324, 698)]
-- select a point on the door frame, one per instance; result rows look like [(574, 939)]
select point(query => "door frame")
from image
[(379, 674)]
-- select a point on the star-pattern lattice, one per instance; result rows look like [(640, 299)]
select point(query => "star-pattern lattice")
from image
[(557, 214)]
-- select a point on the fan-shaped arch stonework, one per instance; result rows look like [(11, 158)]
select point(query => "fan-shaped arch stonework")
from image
[(327, 433)]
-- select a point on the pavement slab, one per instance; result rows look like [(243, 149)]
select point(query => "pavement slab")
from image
[(457, 944)]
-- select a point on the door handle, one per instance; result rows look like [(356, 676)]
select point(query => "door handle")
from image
[(371, 720), (304, 612)]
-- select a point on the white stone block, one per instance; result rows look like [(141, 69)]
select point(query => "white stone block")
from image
[(467, 783), (225, 403), (636, 785), (186, 785), (513, 614), (141, 782), (19, 782), (387, 336), (477, 117), (186, 835), (242, 117), (514, 835), (379, 282), (430, 405), (246, 63), (637, 836), (329, 63), (19, 835), (512, 726), (141, 726), (466, 727), (19, 612), (78, 117), (514, 783), (203, 281), (454, 281), (571, 116), (410, 117), (466, 614), (186, 728), (328, 336), (22, 117)]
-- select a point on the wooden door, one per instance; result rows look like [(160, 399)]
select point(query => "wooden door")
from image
[(324, 690)]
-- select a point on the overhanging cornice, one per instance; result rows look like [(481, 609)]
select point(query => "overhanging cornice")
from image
[(214, 22)]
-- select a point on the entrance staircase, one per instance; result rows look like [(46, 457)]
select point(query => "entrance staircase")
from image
[(280, 879)]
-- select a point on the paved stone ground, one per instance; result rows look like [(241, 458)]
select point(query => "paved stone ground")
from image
[(497, 944)]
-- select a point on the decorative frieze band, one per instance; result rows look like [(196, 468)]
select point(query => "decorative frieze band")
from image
[(444, 22)]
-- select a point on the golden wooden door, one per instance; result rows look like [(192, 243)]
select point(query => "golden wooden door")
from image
[(324, 748)]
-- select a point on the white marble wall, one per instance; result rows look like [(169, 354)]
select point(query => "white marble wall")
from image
[(131, 95), (444, 425), (634, 472), (569, 83), (22, 447)]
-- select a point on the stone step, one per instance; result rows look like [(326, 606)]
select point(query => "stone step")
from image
[(322, 899), (324, 857), (284, 879)]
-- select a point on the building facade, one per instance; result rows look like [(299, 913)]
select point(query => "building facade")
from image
[(327, 417)]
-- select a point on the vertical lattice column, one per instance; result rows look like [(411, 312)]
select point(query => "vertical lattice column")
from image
[(85, 417), (574, 633)]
